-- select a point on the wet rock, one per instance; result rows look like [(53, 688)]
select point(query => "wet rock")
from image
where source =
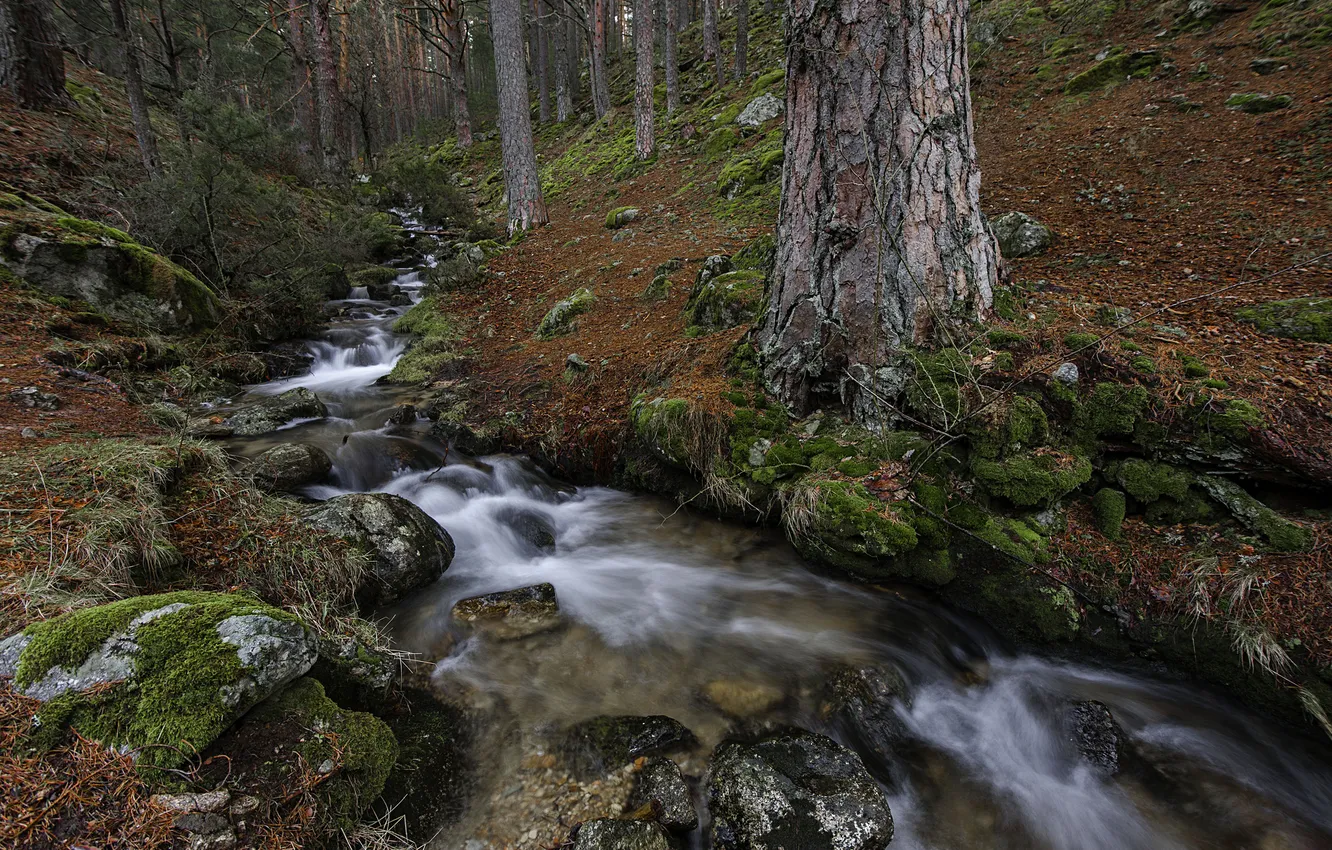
[(597, 746), (741, 698), (428, 786), (531, 527), (1066, 374), (511, 614), (468, 440), (400, 299), (382, 290), (760, 110), (662, 786), (610, 834), (1258, 103), (286, 359), (208, 427), (1093, 730), (354, 675), (403, 414), (1020, 235), (272, 413), (862, 704), (172, 670), (409, 549), (795, 789), (34, 397), (289, 466)]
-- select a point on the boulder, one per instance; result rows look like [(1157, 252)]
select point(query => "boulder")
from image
[(1258, 103), (353, 674), (602, 744), (662, 786), (164, 675), (382, 290), (285, 359), (1020, 235), (1308, 319), (408, 549), (610, 834), (620, 216), (274, 412), (400, 299), (795, 789), (511, 614), (289, 466), (727, 300), (861, 703), (1093, 731), (532, 528), (760, 110), (561, 318)]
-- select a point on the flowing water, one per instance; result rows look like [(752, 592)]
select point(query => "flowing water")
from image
[(662, 602)]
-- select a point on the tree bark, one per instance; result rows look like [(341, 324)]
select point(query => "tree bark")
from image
[(455, 62), (560, 39), (527, 209), (670, 56), (308, 99), (536, 34), (143, 126), (326, 92), (31, 64), (880, 240), (600, 86), (741, 38), (644, 138), (711, 40)]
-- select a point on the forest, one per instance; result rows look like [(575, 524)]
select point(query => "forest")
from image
[(666, 424)]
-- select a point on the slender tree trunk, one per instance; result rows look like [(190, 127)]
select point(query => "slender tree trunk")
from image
[(537, 33), (527, 209), (381, 67), (600, 86), (455, 61), (31, 64), (741, 37), (326, 74), (711, 40), (308, 99), (575, 51), (560, 39), (644, 141), (670, 55), (143, 127), (880, 240)]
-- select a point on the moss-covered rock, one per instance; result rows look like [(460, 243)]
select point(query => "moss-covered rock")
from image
[(1110, 410), (1281, 534), (1108, 507), (162, 675), (746, 170), (662, 425), (434, 352), (1257, 103), (1030, 607), (352, 751), (848, 528), (620, 216), (561, 319), (1032, 479), (1308, 319), (1113, 69), (727, 300), (1148, 481), (759, 255)]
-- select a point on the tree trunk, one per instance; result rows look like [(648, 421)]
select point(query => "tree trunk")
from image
[(455, 64), (600, 86), (670, 56), (31, 64), (143, 127), (537, 34), (741, 37), (644, 141), (575, 49), (880, 240), (527, 209), (326, 74), (559, 35), (711, 40)]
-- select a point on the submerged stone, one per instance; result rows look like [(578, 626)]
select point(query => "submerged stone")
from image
[(795, 789), (511, 614), (742, 698), (602, 744), (1095, 734)]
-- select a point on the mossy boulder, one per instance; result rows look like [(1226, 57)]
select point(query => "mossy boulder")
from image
[(161, 675), (1148, 481), (760, 255), (1114, 69), (1108, 507), (1308, 319), (1258, 103), (1028, 606), (351, 751), (660, 424), (378, 281), (274, 412), (288, 466), (562, 318), (746, 170), (726, 301), (1280, 534), (848, 528), (1033, 479), (87, 261), (620, 216), (720, 141), (1020, 235)]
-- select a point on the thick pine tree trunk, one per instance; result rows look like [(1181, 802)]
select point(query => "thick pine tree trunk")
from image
[(143, 127), (31, 64), (527, 209), (880, 240), (741, 38), (600, 86), (644, 137), (670, 55), (326, 90), (711, 40), (455, 66), (559, 36)]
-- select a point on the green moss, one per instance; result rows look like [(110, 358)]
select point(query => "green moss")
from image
[(372, 276), (728, 300), (1143, 365), (759, 255), (1108, 506), (1003, 361), (1030, 607), (1111, 410), (1229, 419), (720, 141), (1032, 479), (180, 669), (935, 388), (1213, 384), (857, 467), (92, 228), (359, 746), (662, 425), (1256, 103), (850, 529), (620, 216), (1113, 69), (435, 346), (1006, 303), (1280, 534), (1193, 367), (560, 319), (1004, 338), (767, 81), (1148, 481), (1130, 346), (1008, 428), (1308, 319), (1078, 340)]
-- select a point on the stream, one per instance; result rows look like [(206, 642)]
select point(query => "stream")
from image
[(663, 603)]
